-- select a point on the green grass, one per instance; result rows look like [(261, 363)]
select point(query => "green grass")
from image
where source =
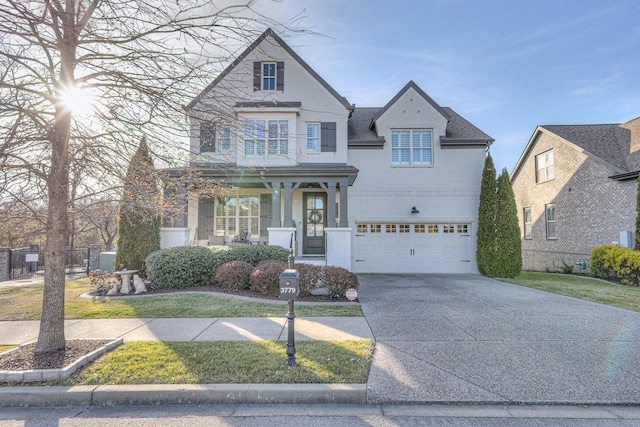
[(26, 304), (257, 362), (583, 288), (4, 348)]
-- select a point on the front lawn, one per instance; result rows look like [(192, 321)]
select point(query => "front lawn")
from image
[(585, 288), (25, 303), (258, 362)]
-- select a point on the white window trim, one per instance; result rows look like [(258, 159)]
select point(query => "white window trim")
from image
[(542, 164), (411, 163), (529, 224), (547, 221), (319, 138), (266, 140), (272, 78)]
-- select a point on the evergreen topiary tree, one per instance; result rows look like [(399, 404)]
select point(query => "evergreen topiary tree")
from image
[(508, 260), (139, 222), (488, 210), (637, 244)]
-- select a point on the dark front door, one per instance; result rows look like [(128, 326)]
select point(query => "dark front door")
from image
[(314, 223)]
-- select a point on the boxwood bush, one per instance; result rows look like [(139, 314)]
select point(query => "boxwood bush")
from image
[(234, 275), (253, 254), (616, 263), (181, 267)]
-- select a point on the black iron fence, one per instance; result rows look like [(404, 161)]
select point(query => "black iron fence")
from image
[(28, 263)]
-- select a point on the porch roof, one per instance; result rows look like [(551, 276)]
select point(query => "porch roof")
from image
[(304, 172)]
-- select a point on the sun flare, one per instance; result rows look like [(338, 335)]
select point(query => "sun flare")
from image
[(78, 101)]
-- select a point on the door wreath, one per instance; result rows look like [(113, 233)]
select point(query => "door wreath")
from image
[(315, 217)]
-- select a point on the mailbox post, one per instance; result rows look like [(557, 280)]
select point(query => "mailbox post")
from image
[(289, 290)]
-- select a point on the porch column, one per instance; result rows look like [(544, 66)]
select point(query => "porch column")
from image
[(330, 188), (274, 187), (288, 204), (344, 205)]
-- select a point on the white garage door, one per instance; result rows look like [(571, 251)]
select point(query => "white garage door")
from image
[(413, 248)]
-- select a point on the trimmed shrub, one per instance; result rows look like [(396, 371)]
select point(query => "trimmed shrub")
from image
[(253, 254), (234, 275), (616, 263), (181, 267), (311, 277), (338, 280), (265, 277)]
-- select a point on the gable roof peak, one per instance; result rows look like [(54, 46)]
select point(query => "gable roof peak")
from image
[(423, 94), (269, 32)]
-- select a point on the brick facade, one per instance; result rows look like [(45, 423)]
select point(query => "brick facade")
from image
[(591, 209)]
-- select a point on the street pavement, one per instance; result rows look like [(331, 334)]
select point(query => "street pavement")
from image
[(440, 340)]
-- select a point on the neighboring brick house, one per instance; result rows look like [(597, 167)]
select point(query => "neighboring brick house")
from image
[(391, 189), (575, 188)]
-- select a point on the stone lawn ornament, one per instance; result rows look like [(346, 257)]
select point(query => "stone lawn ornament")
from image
[(138, 284), (114, 289)]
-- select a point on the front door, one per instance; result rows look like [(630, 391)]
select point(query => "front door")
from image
[(314, 223)]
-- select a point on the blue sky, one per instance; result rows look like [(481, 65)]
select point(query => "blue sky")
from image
[(505, 65)]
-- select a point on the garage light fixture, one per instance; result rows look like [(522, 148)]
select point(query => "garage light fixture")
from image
[(415, 210)]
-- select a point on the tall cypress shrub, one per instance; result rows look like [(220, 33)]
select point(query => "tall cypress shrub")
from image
[(139, 222), (508, 261), (487, 243)]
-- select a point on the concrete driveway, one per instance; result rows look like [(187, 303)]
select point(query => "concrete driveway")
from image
[(469, 339)]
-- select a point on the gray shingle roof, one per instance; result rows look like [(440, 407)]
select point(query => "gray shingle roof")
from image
[(458, 128), (609, 142)]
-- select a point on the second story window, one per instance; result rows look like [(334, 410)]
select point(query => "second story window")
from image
[(266, 138), (268, 76), (411, 147), (214, 138), (313, 137), (545, 168)]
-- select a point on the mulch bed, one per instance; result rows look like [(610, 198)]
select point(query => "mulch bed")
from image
[(218, 289), (24, 358)]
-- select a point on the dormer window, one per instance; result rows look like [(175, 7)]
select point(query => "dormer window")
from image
[(268, 76)]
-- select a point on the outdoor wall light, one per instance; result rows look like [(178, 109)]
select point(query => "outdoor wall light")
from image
[(414, 210)]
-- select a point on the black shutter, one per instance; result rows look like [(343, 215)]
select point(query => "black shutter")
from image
[(328, 137), (207, 137), (280, 76), (266, 214), (257, 75), (205, 218)]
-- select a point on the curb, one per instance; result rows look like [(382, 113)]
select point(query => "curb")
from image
[(163, 394)]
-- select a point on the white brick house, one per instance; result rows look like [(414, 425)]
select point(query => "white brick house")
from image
[(389, 189), (575, 188)]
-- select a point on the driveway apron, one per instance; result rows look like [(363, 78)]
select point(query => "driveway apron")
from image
[(470, 339)]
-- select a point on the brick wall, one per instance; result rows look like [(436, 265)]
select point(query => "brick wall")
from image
[(590, 208)]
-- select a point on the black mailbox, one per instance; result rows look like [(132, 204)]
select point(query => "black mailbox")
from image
[(289, 284)]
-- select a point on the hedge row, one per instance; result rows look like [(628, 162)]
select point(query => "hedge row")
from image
[(613, 262), (191, 266), (265, 278)]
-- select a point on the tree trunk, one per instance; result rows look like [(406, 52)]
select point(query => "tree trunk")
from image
[(51, 336)]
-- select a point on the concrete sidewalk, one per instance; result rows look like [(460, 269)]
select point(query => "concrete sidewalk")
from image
[(196, 329)]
